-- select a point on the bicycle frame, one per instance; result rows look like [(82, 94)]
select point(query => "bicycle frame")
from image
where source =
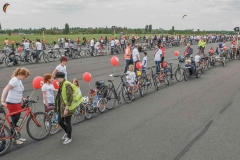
[(29, 112), (122, 83)]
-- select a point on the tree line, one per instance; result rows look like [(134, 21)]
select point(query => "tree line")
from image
[(108, 30)]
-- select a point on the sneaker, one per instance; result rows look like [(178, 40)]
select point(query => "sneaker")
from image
[(17, 142), (22, 139), (65, 136), (67, 141)]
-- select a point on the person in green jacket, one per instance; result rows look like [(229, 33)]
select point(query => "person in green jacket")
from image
[(67, 99)]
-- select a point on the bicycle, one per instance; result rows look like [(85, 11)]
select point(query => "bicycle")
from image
[(54, 119), (114, 94), (154, 77), (53, 56), (37, 121), (11, 59), (40, 56), (178, 72)]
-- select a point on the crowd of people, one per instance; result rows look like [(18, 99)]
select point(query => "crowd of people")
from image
[(69, 95)]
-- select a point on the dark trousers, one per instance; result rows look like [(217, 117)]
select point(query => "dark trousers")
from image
[(65, 123), (127, 65)]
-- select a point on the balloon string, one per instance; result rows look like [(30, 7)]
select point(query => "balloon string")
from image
[(31, 94), (114, 70), (89, 85)]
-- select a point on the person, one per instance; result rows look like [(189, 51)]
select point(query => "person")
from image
[(66, 101), (127, 56), (76, 83), (92, 46), (197, 59), (163, 53), (61, 67), (131, 76), (6, 42), (188, 51), (96, 47), (133, 40), (112, 44), (204, 43), (157, 58), (12, 96), (48, 91), (144, 63), (78, 40), (38, 49), (26, 50), (135, 56), (189, 64)]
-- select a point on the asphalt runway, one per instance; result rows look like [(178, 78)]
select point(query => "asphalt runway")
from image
[(193, 120)]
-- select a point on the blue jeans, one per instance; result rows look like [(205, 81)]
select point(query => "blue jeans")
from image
[(127, 64), (157, 66), (26, 55), (143, 70)]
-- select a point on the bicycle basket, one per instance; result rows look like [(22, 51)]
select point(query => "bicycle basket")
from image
[(100, 84), (139, 73)]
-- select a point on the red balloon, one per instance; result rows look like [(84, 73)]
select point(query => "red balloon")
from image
[(37, 82), (224, 48), (55, 84), (87, 77), (139, 65), (114, 61), (20, 49), (176, 53)]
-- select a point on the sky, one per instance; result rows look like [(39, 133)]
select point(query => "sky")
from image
[(201, 14)]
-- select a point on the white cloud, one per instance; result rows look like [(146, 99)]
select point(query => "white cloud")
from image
[(202, 14)]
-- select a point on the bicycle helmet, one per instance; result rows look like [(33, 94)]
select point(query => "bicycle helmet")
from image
[(181, 59)]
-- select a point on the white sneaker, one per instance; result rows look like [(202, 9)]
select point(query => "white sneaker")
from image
[(67, 140), (17, 142), (65, 136), (22, 139)]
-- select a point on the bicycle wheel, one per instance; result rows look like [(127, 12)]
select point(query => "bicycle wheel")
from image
[(8, 62), (76, 54), (82, 53), (39, 126), (101, 104), (157, 81), (54, 119), (5, 143), (87, 53), (51, 57), (45, 57), (168, 77), (179, 74), (88, 114), (127, 94), (166, 80), (79, 114), (111, 99), (142, 86), (2, 113), (18, 60), (186, 74), (198, 73)]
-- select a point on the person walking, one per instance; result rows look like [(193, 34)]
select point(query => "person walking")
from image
[(135, 56), (61, 67), (127, 56), (67, 99), (12, 96)]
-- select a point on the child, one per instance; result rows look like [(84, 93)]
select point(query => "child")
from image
[(217, 51), (76, 83), (131, 77), (144, 63)]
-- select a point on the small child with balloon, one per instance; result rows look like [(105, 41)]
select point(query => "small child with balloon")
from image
[(76, 83), (131, 75)]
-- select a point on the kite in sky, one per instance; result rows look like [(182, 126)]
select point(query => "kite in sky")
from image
[(5, 7), (184, 16)]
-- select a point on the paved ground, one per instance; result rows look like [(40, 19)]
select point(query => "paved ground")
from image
[(193, 120)]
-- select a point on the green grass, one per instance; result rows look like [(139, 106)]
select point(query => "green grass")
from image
[(50, 38)]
